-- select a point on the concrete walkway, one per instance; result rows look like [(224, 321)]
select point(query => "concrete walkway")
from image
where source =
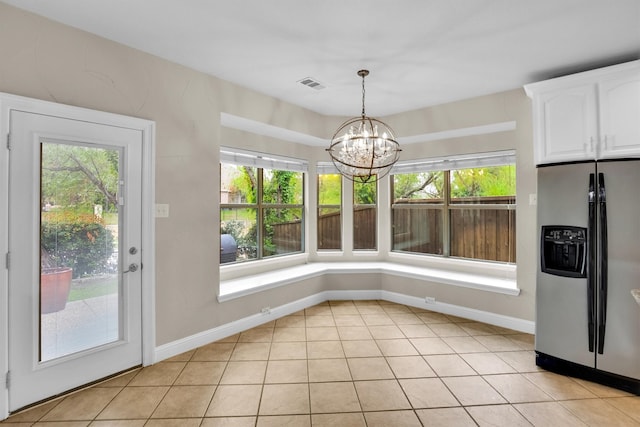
[(81, 325)]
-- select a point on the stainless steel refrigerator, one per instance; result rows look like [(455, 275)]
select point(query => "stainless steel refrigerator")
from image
[(587, 321)]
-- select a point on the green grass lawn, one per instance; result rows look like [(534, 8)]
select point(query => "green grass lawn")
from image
[(238, 214), (110, 218), (93, 288)]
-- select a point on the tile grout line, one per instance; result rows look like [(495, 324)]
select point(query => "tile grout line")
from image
[(521, 344)]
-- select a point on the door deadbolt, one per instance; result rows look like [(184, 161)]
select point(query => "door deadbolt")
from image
[(133, 250)]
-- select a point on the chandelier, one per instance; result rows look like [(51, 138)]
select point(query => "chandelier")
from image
[(363, 148)]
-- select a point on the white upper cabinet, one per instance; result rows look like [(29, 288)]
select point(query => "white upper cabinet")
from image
[(620, 115), (566, 126), (587, 116)]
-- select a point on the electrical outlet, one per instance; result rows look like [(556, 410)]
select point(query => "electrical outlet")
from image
[(162, 210), (430, 300), (266, 310)]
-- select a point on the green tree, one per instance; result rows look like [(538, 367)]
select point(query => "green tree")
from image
[(422, 185), (364, 193), (484, 182), (281, 187), (329, 189), (80, 177)]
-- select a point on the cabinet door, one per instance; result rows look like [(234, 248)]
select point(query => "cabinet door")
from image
[(620, 115), (567, 126)]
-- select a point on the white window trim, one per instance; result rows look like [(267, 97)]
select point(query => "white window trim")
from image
[(262, 160), (463, 161), (326, 168)]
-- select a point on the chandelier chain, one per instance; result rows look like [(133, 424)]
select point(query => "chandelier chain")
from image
[(363, 76)]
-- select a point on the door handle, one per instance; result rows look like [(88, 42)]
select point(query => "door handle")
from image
[(133, 267)]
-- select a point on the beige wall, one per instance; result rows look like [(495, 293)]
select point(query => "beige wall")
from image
[(46, 60)]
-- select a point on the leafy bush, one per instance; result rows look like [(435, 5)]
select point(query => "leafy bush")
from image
[(79, 241), (238, 230)]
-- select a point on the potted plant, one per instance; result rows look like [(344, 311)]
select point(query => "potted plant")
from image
[(55, 284)]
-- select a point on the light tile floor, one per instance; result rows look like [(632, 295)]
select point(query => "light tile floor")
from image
[(348, 363)]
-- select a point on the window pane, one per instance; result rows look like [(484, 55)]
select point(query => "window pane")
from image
[(282, 231), (365, 193), (364, 215), (241, 225), (329, 211), (490, 185), (80, 282), (364, 227), (329, 228), (330, 189), (238, 184), (417, 229), (423, 187), (282, 187), (487, 234)]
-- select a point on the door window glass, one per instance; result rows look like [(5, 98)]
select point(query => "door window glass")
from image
[(79, 218)]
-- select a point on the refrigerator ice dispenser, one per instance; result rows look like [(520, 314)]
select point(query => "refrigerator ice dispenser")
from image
[(563, 250)]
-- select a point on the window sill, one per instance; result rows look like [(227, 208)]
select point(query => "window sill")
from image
[(460, 265), (261, 267), (247, 285)]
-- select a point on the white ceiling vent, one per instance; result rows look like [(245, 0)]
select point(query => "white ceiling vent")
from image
[(312, 83)]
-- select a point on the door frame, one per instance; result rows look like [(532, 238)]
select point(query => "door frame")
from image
[(10, 102)]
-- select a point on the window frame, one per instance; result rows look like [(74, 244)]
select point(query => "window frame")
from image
[(262, 161)]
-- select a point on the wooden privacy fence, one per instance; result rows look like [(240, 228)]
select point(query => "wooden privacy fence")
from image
[(287, 238), (487, 234), (479, 233)]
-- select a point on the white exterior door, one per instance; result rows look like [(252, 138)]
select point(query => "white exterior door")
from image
[(75, 244)]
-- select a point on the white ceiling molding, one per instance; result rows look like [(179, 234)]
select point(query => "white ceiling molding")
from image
[(458, 133), (259, 128)]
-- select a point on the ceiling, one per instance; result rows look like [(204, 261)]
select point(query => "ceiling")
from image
[(420, 52)]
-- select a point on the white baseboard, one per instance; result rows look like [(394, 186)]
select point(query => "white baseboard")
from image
[(174, 348), (521, 325), (183, 345)]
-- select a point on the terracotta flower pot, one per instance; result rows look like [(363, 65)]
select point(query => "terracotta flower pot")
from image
[(55, 284)]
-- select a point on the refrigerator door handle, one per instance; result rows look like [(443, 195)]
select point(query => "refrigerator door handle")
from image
[(603, 267), (591, 277)]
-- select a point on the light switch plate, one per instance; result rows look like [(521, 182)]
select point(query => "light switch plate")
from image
[(162, 210)]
